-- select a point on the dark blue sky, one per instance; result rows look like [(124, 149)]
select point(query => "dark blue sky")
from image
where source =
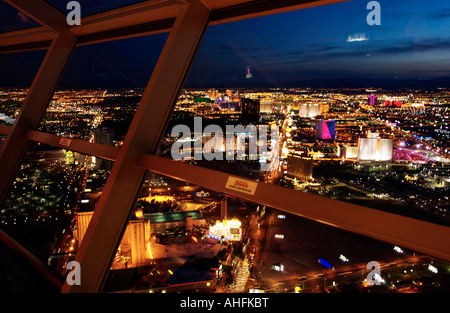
[(412, 42)]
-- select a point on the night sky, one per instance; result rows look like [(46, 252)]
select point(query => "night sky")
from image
[(412, 42)]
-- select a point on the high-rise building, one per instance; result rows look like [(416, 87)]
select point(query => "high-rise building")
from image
[(299, 167), (266, 106), (134, 240), (375, 149), (325, 129), (83, 220), (213, 94), (250, 110), (309, 109), (104, 137), (350, 152), (134, 237)]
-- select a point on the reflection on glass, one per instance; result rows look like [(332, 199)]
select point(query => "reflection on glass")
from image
[(11, 19), (51, 189)]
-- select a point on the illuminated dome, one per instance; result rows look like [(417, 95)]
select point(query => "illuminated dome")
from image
[(227, 230)]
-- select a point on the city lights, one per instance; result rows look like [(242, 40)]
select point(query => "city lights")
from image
[(253, 172)]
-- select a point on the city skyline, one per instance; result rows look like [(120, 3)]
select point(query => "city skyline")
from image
[(332, 146)]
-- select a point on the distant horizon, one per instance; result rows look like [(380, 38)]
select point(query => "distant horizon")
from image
[(331, 45), (334, 83)]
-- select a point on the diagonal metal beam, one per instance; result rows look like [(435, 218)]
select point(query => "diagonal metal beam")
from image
[(33, 108), (414, 234), (42, 12), (124, 182)]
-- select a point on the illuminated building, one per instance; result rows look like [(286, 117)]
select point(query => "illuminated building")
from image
[(212, 94), (248, 72), (265, 106), (283, 102), (391, 103), (375, 149), (83, 219), (135, 238), (372, 100), (229, 105), (325, 129), (350, 152), (226, 230), (310, 109), (299, 167)]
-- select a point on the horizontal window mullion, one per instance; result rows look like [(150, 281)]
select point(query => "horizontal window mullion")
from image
[(77, 145)]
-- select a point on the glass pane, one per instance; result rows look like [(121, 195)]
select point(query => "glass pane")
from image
[(51, 191), (360, 111), (101, 89), (90, 7), (184, 238), (17, 72), (11, 19)]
